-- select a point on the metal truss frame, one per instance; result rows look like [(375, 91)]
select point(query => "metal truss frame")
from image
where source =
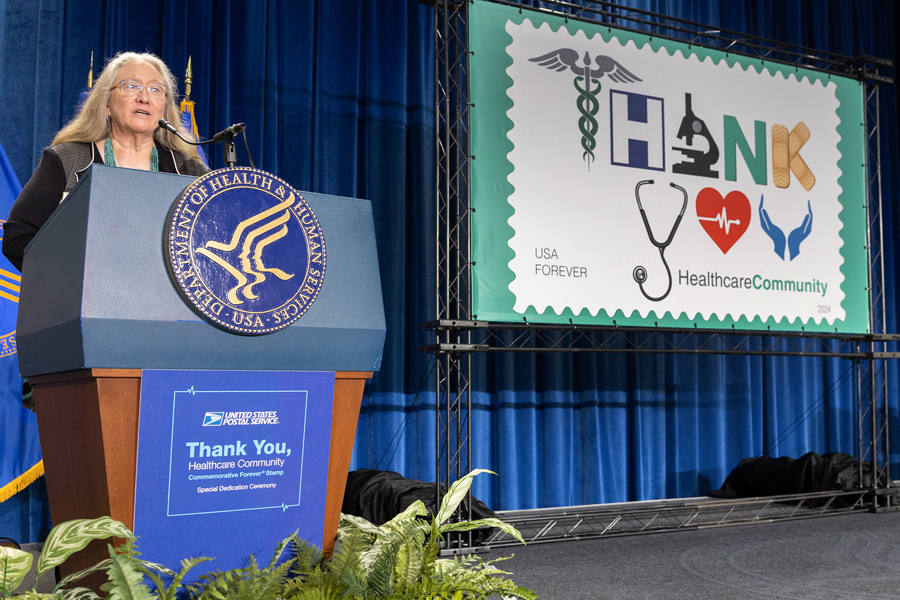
[(487, 336), (457, 335), (453, 400), (634, 518)]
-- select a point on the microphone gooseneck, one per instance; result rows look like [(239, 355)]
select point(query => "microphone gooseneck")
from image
[(226, 135)]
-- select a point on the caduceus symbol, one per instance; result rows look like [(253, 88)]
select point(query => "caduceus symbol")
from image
[(262, 229), (589, 73)]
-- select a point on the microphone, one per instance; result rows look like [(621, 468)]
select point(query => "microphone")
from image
[(168, 127), (226, 135)]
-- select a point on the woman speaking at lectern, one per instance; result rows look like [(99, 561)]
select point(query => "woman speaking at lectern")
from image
[(117, 126)]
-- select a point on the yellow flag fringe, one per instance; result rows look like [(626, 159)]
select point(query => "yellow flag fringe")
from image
[(189, 105), (21, 482)]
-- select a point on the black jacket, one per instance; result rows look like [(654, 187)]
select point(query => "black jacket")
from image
[(60, 169)]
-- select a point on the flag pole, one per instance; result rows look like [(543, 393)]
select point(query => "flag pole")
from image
[(188, 78)]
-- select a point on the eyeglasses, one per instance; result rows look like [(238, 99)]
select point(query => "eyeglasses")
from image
[(131, 87)]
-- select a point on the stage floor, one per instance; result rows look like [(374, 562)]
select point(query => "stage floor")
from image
[(842, 557)]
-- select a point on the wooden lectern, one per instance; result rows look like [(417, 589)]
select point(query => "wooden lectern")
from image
[(97, 306)]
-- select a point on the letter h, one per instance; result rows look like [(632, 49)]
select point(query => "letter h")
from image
[(637, 131)]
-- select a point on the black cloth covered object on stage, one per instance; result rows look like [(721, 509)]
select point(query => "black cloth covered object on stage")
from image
[(766, 476), (379, 496)]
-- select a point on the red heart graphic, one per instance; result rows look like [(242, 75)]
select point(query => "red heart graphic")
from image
[(724, 219)]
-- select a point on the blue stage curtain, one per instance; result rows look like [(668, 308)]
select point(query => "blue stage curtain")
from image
[(338, 97)]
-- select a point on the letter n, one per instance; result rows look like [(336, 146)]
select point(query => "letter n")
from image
[(735, 140)]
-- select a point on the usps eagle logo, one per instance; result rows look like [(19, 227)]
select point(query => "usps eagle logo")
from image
[(213, 419), (245, 250)]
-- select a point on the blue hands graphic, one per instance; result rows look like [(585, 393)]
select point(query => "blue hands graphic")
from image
[(772, 230), (794, 239), (800, 234)]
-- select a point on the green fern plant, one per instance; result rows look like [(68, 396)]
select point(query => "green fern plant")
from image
[(399, 560), (250, 583)]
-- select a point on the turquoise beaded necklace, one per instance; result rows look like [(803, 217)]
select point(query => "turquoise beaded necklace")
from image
[(109, 157)]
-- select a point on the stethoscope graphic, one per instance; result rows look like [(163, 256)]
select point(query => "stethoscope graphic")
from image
[(640, 273)]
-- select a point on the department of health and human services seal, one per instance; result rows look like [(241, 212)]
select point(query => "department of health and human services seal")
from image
[(245, 250)]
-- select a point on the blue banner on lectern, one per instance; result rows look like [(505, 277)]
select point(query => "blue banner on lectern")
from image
[(230, 462)]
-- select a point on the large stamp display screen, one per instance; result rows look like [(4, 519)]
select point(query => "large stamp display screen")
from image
[(620, 179)]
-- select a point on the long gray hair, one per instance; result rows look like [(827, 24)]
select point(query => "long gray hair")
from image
[(91, 124)]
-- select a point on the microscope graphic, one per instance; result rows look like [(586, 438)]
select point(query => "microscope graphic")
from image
[(696, 161)]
